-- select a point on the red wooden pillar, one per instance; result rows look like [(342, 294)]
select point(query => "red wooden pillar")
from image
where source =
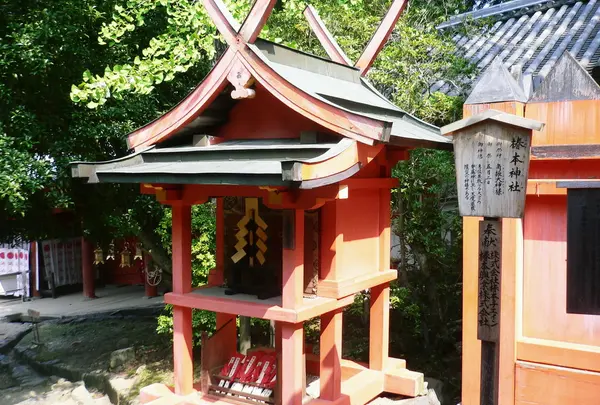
[(293, 261), (331, 355), (182, 283), (379, 317), (379, 331), (88, 269), (216, 277), (292, 335), (291, 382)]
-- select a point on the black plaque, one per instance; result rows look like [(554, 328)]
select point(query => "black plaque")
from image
[(583, 251)]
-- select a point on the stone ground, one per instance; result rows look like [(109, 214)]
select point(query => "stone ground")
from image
[(110, 298)]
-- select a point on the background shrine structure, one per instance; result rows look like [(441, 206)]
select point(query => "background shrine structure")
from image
[(550, 320), (549, 345), (298, 152)]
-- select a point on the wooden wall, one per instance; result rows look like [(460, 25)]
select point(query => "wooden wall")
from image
[(265, 117), (350, 240), (544, 282), (548, 357), (567, 122), (548, 385)]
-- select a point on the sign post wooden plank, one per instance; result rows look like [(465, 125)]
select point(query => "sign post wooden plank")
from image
[(492, 152), (489, 306), (490, 265), (492, 164)]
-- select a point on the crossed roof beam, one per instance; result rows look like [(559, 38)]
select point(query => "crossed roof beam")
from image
[(375, 45), (240, 63), (237, 35)]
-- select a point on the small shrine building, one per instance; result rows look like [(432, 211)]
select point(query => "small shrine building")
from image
[(549, 340), (297, 150)]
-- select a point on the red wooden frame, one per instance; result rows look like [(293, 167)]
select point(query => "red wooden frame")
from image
[(324, 36), (381, 36)]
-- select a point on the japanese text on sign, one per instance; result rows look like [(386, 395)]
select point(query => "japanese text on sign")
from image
[(490, 257)]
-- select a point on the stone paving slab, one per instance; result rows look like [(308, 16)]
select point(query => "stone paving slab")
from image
[(110, 298), (10, 334)]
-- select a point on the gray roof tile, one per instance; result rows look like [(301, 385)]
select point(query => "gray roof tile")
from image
[(530, 33)]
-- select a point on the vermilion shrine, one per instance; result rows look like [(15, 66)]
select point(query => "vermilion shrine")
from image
[(298, 152)]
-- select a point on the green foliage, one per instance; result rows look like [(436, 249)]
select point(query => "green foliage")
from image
[(203, 240), (22, 174), (426, 321), (416, 57), (188, 40), (202, 321)]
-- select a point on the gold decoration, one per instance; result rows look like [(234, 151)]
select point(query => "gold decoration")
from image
[(125, 256), (138, 252), (111, 251), (250, 237), (98, 255)]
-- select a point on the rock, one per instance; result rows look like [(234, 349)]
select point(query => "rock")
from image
[(121, 357), (429, 399), (437, 386), (123, 343), (82, 396), (103, 401), (313, 388), (140, 369), (122, 386), (62, 384)]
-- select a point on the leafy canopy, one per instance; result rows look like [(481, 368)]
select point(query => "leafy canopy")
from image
[(416, 56)]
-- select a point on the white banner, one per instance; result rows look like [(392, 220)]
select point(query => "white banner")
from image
[(62, 260), (14, 259), (14, 269)]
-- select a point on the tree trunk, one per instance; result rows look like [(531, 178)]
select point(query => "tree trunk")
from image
[(159, 255), (245, 337)]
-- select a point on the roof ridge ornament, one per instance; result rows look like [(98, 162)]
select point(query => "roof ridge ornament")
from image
[(244, 64), (373, 48), (568, 80), (234, 34), (495, 85), (241, 79)]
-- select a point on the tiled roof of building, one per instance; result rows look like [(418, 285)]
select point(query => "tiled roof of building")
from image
[(530, 34)]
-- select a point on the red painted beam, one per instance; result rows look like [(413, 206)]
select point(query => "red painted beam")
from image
[(186, 111), (256, 20), (325, 38), (381, 36), (223, 20)]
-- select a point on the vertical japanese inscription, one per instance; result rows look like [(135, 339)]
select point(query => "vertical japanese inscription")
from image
[(493, 162), (518, 148), (490, 263)]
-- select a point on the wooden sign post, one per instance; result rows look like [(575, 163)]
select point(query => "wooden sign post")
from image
[(492, 153)]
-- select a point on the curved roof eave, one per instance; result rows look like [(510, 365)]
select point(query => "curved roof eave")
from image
[(184, 112)]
